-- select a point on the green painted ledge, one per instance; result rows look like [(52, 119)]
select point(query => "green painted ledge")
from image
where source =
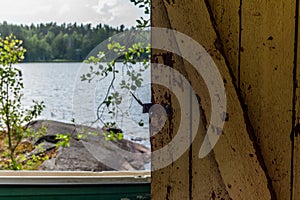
[(74, 185)]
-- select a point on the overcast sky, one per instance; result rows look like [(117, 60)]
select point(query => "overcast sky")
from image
[(112, 12)]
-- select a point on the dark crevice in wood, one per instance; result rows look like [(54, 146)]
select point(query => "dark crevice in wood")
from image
[(167, 15), (250, 129), (295, 85), (168, 192), (240, 44)]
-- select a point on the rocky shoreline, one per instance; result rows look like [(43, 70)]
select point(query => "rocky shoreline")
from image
[(90, 153)]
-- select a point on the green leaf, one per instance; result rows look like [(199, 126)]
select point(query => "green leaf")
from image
[(141, 123), (133, 87), (138, 83), (120, 136)]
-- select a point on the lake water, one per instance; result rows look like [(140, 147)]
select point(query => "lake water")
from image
[(66, 97)]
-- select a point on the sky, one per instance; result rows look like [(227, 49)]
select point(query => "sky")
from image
[(111, 12)]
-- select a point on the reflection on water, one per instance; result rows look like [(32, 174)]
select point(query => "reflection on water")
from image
[(54, 84)]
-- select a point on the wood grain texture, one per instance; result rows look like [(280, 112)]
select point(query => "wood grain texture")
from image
[(267, 82), (206, 181), (240, 170), (260, 57), (296, 164), (296, 185), (171, 182), (227, 19)]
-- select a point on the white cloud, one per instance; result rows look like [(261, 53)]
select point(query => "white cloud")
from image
[(112, 12), (118, 12)]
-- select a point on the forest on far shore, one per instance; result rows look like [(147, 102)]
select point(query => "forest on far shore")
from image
[(51, 42)]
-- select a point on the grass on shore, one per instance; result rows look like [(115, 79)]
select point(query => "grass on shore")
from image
[(22, 152)]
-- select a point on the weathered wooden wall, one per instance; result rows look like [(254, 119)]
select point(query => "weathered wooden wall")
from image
[(267, 82), (296, 137), (253, 45), (265, 78)]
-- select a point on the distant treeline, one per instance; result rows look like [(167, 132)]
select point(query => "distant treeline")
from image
[(53, 42)]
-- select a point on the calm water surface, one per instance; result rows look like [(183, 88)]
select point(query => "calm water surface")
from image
[(59, 86)]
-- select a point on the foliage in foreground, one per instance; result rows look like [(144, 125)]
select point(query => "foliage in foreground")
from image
[(136, 59), (14, 119)]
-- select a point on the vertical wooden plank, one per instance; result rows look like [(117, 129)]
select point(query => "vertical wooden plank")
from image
[(227, 19), (296, 153), (235, 154), (296, 165), (171, 182), (267, 51), (206, 181)]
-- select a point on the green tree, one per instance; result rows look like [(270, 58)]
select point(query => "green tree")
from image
[(51, 41), (59, 46), (14, 118)]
